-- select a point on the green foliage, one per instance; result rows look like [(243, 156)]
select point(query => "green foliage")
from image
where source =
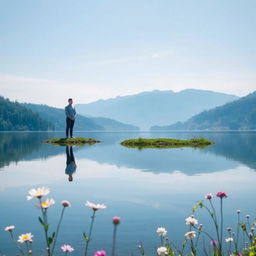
[(71, 141), (15, 117), (198, 204), (51, 238), (86, 238), (165, 143)]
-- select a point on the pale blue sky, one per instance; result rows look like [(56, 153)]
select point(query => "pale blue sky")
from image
[(51, 50)]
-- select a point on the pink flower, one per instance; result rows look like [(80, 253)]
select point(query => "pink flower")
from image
[(221, 194), (100, 253), (208, 196), (95, 207), (67, 248), (214, 242), (65, 203), (116, 220)]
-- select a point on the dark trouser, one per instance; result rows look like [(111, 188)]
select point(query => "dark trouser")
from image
[(70, 155), (70, 125)]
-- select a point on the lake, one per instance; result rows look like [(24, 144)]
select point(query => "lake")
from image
[(147, 188)]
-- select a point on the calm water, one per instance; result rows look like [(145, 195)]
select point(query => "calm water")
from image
[(147, 188)]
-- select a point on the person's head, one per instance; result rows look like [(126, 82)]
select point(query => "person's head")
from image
[(70, 101), (70, 178)]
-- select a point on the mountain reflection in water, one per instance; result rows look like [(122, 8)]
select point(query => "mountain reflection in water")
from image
[(239, 147)]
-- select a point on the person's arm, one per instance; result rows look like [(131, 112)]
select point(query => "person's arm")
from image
[(66, 111), (74, 113)]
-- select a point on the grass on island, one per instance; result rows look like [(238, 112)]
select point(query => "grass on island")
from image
[(71, 141), (141, 143)]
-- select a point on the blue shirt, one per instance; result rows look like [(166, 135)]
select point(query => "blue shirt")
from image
[(70, 111), (71, 168)]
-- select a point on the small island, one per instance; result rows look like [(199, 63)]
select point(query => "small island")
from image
[(141, 143), (71, 141)]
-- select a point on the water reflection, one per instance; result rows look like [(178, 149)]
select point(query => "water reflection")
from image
[(15, 146), (147, 188), (230, 149), (70, 162)]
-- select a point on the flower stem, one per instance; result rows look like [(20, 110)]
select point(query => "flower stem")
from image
[(90, 233), (221, 224), (58, 228), (16, 244), (44, 215), (214, 218), (27, 248), (114, 241)]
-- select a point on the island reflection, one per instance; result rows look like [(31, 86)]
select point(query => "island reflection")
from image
[(230, 149)]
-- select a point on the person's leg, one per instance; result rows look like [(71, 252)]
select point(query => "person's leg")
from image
[(67, 126), (71, 127), (72, 154), (69, 159)]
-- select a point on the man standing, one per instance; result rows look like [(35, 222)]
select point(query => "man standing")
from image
[(70, 118)]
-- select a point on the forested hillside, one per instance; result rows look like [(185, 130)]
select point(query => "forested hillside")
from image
[(237, 115), (15, 117)]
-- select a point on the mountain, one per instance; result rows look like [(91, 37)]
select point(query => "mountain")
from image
[(110, 124), (155, 107), (16, 117), (237, 115), (57, 117)]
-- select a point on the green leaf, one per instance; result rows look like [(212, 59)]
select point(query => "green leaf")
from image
[(184, 243), (243, 226), (50, 240), (195, 207), (86, 238), (53, 235), (41, 221), (46, 227)]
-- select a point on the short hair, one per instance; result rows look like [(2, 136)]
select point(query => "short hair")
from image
[(69, 99)]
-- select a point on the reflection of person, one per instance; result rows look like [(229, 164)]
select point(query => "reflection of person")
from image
[(70, 117), (71, 165)]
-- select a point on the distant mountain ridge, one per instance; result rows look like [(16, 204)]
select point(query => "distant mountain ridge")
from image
[(57, 117), (156, 107), (236, 115)]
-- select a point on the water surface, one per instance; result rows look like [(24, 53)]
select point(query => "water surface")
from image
[(146, 188)]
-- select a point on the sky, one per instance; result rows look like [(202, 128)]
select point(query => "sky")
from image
[(51, 50)]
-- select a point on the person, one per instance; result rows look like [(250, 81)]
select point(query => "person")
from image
[(71, 164), (70, 118)]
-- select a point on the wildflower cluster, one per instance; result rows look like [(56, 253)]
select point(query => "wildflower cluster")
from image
[(219, 243), (50, 239)]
